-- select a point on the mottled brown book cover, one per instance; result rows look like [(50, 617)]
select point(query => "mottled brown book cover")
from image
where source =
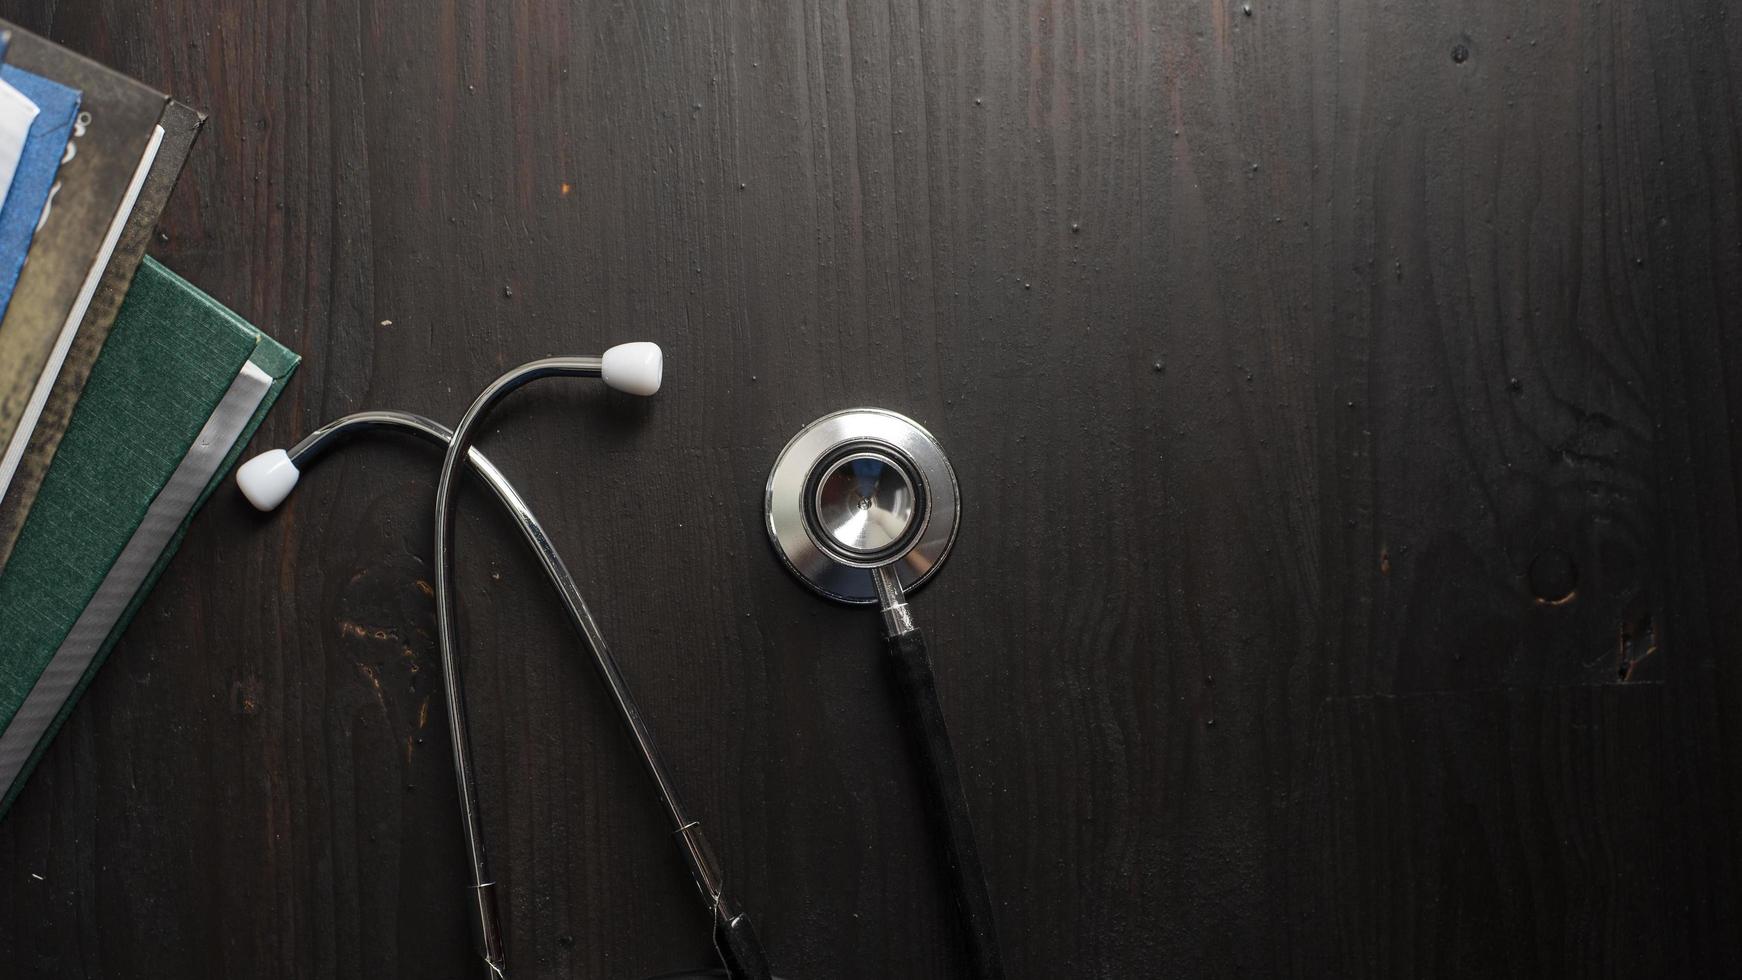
[(102, 167), (180, 124)]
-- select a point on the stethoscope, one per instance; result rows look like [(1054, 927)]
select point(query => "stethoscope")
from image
[(636, 368)]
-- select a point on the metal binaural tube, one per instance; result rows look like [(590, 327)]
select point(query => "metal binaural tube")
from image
[(728, 921), (734, 934), (321, 441), (485, 918)]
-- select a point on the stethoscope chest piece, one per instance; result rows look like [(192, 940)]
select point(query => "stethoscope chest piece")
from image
[(859, 489)]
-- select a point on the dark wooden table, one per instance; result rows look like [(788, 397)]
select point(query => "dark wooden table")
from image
[(1344, 395)]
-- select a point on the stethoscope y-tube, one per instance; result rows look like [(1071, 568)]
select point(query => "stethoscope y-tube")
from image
[(910, 666), (267, 479)]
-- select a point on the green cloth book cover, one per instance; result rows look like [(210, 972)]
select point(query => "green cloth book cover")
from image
[(175, 396)]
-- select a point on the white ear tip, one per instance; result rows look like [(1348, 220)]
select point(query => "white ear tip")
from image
[(635, 368), (267, 479)]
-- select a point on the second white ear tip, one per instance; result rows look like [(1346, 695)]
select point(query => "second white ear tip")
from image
[(267, 479), (636, 368)]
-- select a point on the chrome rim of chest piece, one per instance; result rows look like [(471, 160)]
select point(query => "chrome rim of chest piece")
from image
[(858, 489)]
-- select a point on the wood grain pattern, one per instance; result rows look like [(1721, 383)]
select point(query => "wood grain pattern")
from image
[(1343, 395)]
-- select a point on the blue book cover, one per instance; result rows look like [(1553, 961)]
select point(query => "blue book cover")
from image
[(57, 111)]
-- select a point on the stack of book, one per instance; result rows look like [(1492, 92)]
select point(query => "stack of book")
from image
[(126, 394)]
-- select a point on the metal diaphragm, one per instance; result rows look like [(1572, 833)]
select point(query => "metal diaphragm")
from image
[(857, 489)]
